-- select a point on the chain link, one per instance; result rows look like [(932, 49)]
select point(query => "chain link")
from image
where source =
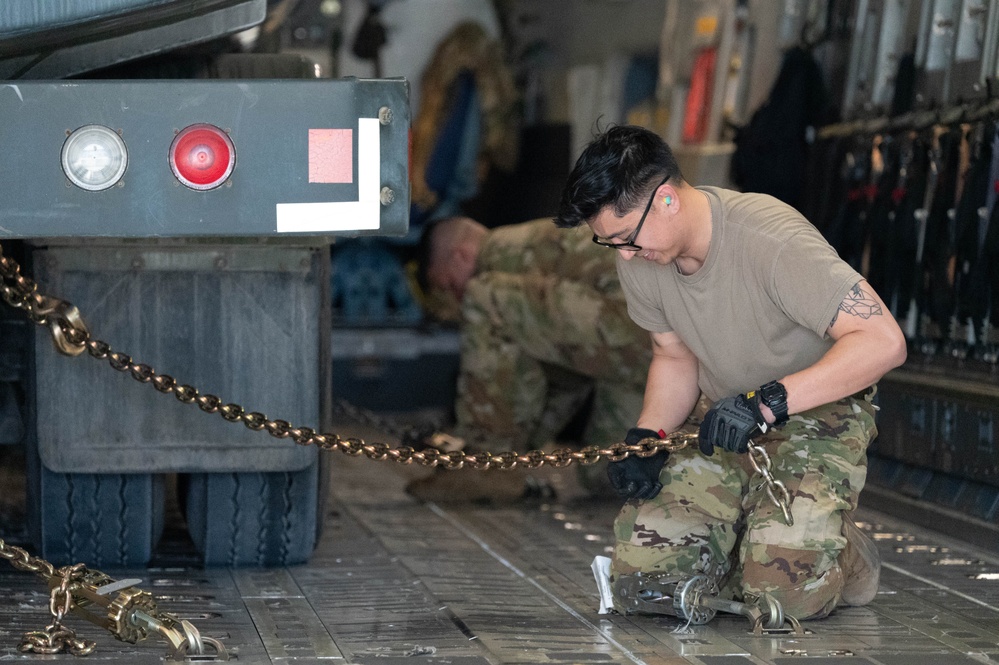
[(21, 292), (775, 489), (22, 560), (56, 638)]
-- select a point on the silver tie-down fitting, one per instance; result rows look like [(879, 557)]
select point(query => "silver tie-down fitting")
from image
[(695, 599)]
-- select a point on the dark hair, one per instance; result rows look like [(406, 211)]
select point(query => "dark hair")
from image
[(619, 168)]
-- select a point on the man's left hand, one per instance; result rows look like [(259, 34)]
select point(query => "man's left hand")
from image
[(730, 423), (637, 477)]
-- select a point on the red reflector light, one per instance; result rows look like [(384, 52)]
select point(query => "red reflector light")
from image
[(202, 156)]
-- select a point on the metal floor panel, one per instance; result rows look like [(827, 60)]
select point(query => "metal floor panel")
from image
[(395, 581)]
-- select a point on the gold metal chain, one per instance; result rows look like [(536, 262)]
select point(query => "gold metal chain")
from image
[(72, 338), (23, 561), (54, 638), (775, 489)]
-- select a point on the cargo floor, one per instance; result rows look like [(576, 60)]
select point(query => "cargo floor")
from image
[(399, 580)]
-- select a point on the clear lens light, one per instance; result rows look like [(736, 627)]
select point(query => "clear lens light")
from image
[(94, 157)]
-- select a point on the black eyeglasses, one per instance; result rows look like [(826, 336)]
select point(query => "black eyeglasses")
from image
[(629, 244)]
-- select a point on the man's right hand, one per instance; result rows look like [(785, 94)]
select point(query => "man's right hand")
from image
[(730, 423), (637, 477)]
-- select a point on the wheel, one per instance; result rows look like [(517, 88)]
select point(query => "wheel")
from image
[(256, 519), (102, 520)]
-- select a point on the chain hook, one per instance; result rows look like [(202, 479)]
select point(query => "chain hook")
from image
[(69, 332), (194, 644), (61, 596)]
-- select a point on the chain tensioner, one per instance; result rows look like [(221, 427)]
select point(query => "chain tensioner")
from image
[(125, 611), (695, 599)]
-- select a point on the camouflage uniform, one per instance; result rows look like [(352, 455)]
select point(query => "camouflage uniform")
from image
[(711, 517), (544, 323)]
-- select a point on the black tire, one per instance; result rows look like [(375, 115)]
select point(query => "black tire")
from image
[(256, 519), (103, 520)]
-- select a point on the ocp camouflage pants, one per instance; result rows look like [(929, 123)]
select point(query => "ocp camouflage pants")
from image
[(711, 516)]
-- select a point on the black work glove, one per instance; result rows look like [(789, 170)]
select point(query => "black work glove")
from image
[(637, 477), (731, 423)]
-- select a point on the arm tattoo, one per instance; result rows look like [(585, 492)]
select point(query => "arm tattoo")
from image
[(858, 303)]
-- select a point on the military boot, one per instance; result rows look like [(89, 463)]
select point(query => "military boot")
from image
[(861, 564)]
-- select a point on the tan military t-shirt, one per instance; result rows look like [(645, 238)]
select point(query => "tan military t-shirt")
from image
[(759, 307)]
